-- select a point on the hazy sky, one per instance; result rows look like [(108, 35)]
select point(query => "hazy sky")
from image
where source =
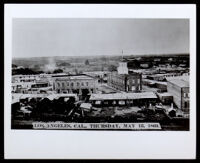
[(75, 37)]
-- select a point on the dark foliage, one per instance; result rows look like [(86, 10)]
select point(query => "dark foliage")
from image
[(25, 71), (58, 71), (112, 68), (14, 66), (87, 62), (63, 64)]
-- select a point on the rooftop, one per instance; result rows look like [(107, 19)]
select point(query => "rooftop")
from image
[(73, 77), (17, 96), (153, 81), (130, 73), (123, 96), (22, 83), (96, 72), (56, 96), (180, 81), (183, 77), (166, 94)]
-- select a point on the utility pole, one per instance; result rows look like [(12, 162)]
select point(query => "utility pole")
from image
[(122, 55), (181, 99)]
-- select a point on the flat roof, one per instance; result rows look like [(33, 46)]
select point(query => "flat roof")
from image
[(130, 73), (56, 96), (153, 81), (123, 96), (17, 96), (163, 74), (71, 77), (165, 94), (183, 77), (22, 83), (179, 82), (96, 72)]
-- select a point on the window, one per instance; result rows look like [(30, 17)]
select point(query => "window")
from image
[(97, 102), (87, 83), (63, 84), (78, 83), (67, 83), (82, 84), (131, 101), (105, 102), (121, 102), (186, 104), (58, 84), (72, 84)]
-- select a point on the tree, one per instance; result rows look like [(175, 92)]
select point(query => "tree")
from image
[(87, 62), (15, 108), (14, 66), (112, 68), (23, 71), (76, 71), (64, 64), (44, 106), (104, 59), (58, 71), (33, 102)]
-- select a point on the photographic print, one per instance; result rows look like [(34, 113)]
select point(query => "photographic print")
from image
[(100, 81), (100, 74)]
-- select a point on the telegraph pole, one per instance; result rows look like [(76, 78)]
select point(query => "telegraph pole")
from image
[(122, 55)]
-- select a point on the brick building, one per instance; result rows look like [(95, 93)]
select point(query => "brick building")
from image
[(124, 80)]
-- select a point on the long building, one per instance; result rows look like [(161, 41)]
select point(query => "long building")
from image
[(79, 84), (31, 87), (123, 99)]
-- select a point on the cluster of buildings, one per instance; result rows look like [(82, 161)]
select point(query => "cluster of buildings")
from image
[(171, 85), (130, 85), (53, 83), (175, 61)]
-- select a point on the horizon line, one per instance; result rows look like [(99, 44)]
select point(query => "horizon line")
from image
[(181, 53)]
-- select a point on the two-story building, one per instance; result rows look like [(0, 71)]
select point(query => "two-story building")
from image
[(180, 90), (125, 80), (75, 84)]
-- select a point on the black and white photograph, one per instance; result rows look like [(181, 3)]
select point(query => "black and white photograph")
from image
[(102, 71), (82, 76)]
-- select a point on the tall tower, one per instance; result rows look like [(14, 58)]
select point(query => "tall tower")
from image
[(122, 69)]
